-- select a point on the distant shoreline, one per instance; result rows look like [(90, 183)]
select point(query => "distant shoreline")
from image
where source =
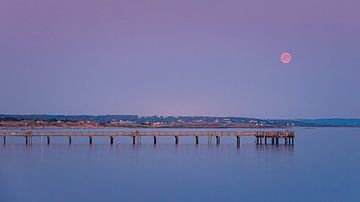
[(135, 121), (31, 125), (94, 125)]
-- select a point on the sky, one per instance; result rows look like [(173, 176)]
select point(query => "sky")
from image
[(180, 57)]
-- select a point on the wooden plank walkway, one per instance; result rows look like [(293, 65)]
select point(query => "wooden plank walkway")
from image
[(262, 137)]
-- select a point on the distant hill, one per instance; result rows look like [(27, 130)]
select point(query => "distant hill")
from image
[(332, 122)]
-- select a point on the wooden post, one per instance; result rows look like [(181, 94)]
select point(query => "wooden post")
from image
[(69, 139), (111, 139), (197, 139), (4, 139), (48, 139), (133, 139), (90, 139), (238, 141), (154, 139), (217, 139), (176, 139)]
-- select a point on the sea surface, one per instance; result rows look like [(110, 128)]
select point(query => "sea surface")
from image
[(323, 165)]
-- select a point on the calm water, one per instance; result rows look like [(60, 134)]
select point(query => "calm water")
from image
[(323, 165)]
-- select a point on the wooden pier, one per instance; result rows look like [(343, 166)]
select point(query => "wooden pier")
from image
[(261, 137)]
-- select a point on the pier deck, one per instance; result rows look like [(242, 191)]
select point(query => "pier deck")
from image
[(262, 137)]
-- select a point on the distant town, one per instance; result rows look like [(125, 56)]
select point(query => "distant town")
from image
[(135, 121)]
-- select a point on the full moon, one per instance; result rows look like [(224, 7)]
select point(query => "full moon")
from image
[(285, 57)]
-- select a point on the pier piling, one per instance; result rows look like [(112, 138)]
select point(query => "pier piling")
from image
[(111, 139), (196, 139), (238, 141), (154, 139), (90, 140), (176, 139), (217, 139)]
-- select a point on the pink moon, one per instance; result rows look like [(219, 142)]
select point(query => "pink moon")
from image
[(285, 57)]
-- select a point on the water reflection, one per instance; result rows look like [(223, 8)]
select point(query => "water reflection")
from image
[(308, 171), (222, 148)]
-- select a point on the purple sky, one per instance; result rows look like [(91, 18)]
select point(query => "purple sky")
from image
[(188, 57)]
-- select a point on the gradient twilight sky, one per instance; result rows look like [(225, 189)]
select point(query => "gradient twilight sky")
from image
[(183, 57)]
